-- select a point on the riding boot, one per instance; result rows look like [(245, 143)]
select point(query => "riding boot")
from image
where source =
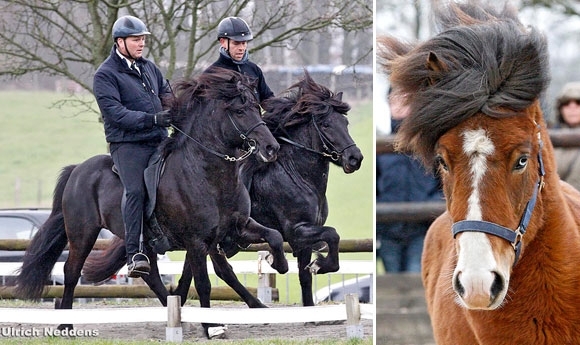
[(137, 262)]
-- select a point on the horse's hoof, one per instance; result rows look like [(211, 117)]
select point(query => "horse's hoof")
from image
[(281, 267), (217, 332), (270, 259), (313, 267)]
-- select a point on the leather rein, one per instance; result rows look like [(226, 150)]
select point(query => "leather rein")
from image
[(243, 135)]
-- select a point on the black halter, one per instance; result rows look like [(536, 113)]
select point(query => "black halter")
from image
[(514, 237)]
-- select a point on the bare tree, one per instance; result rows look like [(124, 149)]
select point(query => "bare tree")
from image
[(69, 39)]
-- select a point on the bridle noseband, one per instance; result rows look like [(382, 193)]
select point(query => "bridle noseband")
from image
[(514, 237), (333, 153)]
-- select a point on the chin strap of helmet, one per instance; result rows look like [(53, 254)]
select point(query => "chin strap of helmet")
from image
[(128, 55)]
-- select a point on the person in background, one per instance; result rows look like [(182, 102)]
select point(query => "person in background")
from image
[(233, 36), (402, 178), (568, 117), (129, 90)]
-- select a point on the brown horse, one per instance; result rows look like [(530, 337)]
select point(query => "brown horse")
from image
[(500, 265)]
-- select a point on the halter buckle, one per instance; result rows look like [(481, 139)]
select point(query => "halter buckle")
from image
[(518, 238)]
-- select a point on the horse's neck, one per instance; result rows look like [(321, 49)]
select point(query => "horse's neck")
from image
[(555, 246), (312, 168), (204, 143)]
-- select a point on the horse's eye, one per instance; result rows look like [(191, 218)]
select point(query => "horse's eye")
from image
[(325, 124), (440, 163), (239, 112), (521, 163)]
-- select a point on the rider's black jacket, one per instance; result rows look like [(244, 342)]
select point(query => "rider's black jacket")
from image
[(129, 99)]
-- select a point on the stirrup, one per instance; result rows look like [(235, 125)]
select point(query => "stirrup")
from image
[(139, 253), (138, 269)]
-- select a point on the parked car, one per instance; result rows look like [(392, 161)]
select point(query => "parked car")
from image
[(337, 291), (23, 223)]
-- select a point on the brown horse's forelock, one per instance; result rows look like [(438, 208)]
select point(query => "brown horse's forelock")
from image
[(496, 68)]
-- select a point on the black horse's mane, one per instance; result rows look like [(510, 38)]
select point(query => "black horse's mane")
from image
[(492, 65), (200, 95), (300, 102)]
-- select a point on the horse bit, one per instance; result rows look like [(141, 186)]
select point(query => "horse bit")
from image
[(514, 237), (333, 154)]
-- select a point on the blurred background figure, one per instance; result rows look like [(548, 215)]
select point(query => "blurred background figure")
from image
[(402, 178), (568, 118)]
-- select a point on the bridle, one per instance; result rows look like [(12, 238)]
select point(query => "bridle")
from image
[(251, 143), (331, 152), (514, 237)]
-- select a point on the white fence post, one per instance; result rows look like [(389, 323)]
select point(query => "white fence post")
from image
[(264, 288), (354, 328), (174, 331)]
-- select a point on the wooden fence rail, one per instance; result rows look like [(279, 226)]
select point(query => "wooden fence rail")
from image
[(408, 211), (345, 246)]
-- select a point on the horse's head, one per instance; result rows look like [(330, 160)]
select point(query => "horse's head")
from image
[(314, 116), (473, 94), (230, 113)]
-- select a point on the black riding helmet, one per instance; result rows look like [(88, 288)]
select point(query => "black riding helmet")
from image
[(129, 26), (234, 28)]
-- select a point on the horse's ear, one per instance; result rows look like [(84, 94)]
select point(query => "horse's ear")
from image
[(434, 64), (339, 96)]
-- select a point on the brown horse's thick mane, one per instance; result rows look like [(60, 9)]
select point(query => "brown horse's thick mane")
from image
[(490, 63), (302, 100)]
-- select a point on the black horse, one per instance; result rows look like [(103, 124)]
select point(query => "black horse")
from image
[(200, 197), (290, 194)]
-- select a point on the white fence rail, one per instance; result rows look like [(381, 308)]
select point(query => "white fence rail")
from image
[(239, 266), (188, 314)]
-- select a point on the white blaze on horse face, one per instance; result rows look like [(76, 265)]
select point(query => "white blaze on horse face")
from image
[(476, 263)]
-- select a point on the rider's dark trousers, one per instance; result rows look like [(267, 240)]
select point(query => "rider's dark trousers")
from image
[(131, 159)]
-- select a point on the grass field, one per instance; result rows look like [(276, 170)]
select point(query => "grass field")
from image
[(38, 140)]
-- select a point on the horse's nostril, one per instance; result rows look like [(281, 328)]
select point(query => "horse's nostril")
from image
[(497, 285), (457, 285)]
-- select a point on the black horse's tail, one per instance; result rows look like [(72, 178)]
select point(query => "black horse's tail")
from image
[(101, 265), (45, 247)]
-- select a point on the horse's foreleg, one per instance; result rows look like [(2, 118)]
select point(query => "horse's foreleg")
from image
[(224, 270), (304, 276), (153, 280), (198, 265), (307, 236), (255, 232)]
